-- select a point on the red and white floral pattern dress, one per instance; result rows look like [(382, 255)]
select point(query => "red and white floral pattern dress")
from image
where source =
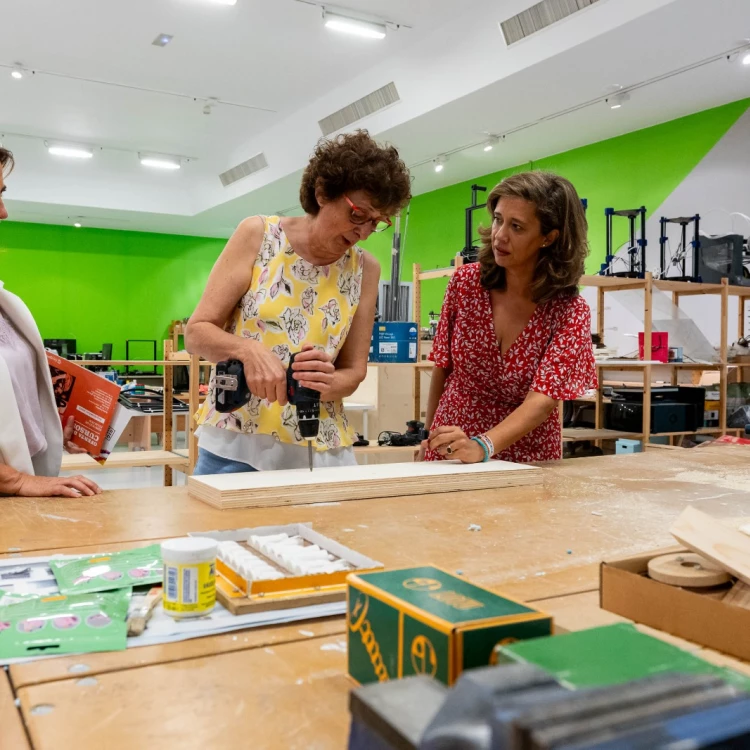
[(553, 355)]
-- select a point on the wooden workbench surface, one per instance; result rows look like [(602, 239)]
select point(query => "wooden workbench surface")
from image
[(534, 542), (293, 696)]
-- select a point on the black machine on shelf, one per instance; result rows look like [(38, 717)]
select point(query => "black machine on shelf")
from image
[(149, 401), (724, 256), (636, 249), (683, 221), (673, 409), (470, 253)]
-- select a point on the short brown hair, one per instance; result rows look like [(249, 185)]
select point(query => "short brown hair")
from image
[(355, 161), (6, 160), (561, 265)]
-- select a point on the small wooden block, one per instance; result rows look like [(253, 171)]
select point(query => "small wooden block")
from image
[(725, 546), (245, 606), (686, 569), (738, 595)]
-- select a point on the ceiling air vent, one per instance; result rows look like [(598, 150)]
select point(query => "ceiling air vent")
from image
[(251, 166), (367, 105), (539, 16)]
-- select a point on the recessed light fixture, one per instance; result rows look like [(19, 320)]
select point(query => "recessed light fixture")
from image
[(70, 150), (354, 26), (746, 59), (162, 40), (17, 72), (77, 225), (157, 161), (439, 163)]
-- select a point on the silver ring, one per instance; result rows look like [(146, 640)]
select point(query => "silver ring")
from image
[(449, 450)]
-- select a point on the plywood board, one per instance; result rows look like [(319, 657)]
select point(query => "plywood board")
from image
[(122, 460), (272, 488), (721, 544)]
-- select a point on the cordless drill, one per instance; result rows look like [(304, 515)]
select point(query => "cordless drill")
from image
[(232, 393)]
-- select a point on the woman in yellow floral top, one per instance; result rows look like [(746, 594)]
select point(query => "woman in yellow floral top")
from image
[(298, 285)]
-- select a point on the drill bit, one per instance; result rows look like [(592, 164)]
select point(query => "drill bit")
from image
[(310, 453)]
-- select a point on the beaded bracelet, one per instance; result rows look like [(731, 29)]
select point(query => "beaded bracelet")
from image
[(488, 442), (480, 442)]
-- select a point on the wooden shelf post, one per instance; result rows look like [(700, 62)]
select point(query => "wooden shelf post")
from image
[(723, 356), (194, 402), (648, 295), (168, 393), (417, 317)]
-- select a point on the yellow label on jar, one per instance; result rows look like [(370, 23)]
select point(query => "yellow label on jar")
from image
[(190, 587)]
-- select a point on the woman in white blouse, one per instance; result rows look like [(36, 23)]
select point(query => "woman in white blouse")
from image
[(31, 436)]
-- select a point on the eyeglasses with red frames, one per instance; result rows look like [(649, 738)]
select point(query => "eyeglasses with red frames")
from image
[(359, 216)]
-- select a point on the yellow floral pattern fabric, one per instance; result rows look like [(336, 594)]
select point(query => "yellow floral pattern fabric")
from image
[(290, 303)]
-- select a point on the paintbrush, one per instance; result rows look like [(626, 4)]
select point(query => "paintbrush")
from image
[(141, 608)]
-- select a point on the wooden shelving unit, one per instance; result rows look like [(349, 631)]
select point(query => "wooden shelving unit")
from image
[(678, 289), (418, 277), (604, 284)]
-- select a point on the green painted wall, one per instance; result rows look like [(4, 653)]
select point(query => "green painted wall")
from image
[(101, 286), (104, 286), (637, 169)]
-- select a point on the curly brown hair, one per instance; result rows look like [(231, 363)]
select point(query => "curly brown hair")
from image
[(6, 160), (355, 161), (561, 265)]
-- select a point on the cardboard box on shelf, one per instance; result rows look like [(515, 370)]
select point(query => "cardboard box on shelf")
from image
[(702, 618), (427, 621)]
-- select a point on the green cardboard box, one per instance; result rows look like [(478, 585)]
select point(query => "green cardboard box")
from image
[(428, 621)]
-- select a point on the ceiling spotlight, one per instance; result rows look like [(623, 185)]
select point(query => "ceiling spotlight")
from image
[(17, 72), (208, 107), (156, 161), (69, 150), (439, 162), (77, 225), (491, 143), (746, 58), (616, 101), (354, 26), (162, 40)]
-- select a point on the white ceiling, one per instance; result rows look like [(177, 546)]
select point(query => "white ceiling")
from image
[(279, 71)]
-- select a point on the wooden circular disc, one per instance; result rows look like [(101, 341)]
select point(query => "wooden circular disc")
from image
[(686, 569)]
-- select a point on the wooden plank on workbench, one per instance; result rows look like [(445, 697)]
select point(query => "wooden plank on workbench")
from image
[(12, 732), (291, 697), (123, 460), (263, 489), (64, 667)]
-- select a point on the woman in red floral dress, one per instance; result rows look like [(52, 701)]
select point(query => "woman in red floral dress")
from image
[(514, 337)]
